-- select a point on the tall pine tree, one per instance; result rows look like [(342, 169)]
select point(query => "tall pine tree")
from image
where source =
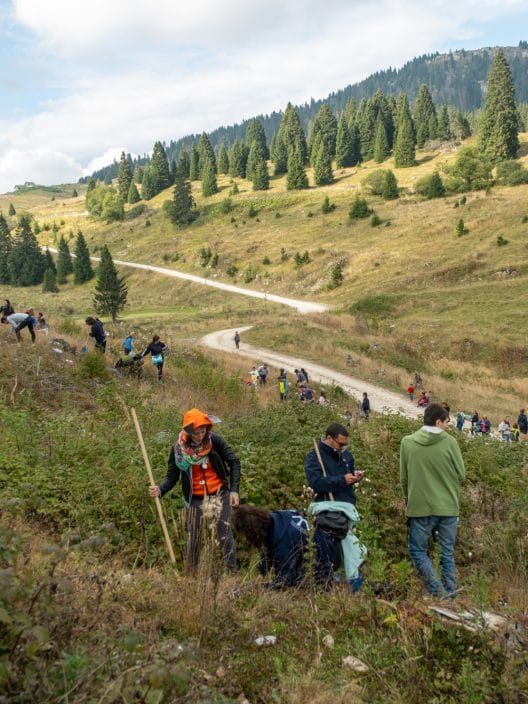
[(404, 152), (124, 176), (183, 168), (322, 161), (255, 133), (324, 127), (194, 163), (181, 209), (444, 125), (222, 161), (346, 146), (159, 168), (64, 261), (206, 151), (292, 133), (209, 185), (133, 194), (111, 291), (381, 144), (279, 154), (26, 261), (148, 187), (499, 125), (296, 179), (6, 243), (82, 266), (424, 114)]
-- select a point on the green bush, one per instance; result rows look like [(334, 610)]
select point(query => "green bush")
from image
[(430, 186), (374, 182), (359, 209), (511, 173)]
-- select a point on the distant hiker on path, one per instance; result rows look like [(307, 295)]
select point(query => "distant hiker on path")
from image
[(19, 321), (210, 473), (284, 386), (263, 373), (301, 377), (97, 332), (338, 461), (365, 406), (431, 469), (237, 340), (410, 391), (522, 423), (156, 349)]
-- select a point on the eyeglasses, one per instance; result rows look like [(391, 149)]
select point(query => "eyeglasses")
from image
[(340, 444)]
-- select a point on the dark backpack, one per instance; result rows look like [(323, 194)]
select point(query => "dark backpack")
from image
[(334, 523)]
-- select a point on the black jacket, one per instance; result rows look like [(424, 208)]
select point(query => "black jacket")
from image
[(223, 460), (337, 464)]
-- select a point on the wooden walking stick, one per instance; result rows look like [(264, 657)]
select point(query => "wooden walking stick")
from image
[(152, 483)]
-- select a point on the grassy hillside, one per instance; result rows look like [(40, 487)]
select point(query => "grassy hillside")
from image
[(414, 297), (90, 610)]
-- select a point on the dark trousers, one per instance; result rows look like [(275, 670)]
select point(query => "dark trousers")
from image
[(195, 526), (27, 323), (159, 367)]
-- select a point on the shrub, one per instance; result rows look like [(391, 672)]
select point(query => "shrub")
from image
[(374, 182), (232, 270), (431, 186), (336, 274), (301, 259), (375, 220), (359, 209), (92, 366), (250, 274), (266, 261), (501, 241), (461, 229), (327, 207), (205, 255), (511, 173), (136, 211), (470, 172), (226, 206), (525, 219), (252, 211)]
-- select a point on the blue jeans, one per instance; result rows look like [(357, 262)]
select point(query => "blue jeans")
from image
[(420, 530)]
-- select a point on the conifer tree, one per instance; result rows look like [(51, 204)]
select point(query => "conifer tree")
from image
[(296, 179), (261, 176), (11, 212), (111, 291), (206, 151), (349, 113), (279, 154), (173, 171), (499, 125), (49, 283), (381, 144), (424, 115), (5, 249), (346, 149), (367, 127), (181, 209), (384, 111), (133, 194), (322, 162), (255, 132), (436, 186), (138, 174), (444, 126), (148, 188), (209, 185), (50, 264), (238, 156), (194, 163), (359, 209), (159, 168), (26, 262), (82, 266), (324, 127), (91, 185), (404, 153), (183, 168), (292, 133), (64, 261), (124, 176), (390, 186), (256, 155), (461, 126), (222, 161)]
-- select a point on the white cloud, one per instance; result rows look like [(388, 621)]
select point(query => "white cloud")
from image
[(195, 66)]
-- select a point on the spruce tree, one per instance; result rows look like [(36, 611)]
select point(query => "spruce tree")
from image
[(349, 113), (209, 185), (124, 176), (148, 188), (159, 168), (346, 154), (133, 194), (424, 116), (499, 125), (261, 176), (181, 210), (279, 154), (322, 162), (111, 291), (461, 126), (91, 185), (138, 174), (26, 261), (324, 127), (297, 178), (182, 170), (359, 209), (256, 155), (444, 126), (367, 128), (255, 133), (238, 156), (390, 186), (206, 151), (6, 243), (381, 144), (436, 186), (292, 133), (194, 163), (404, 153), (11, 212), (222, 162), (82, 266), (64, 261), (49, 283), (50, 264)]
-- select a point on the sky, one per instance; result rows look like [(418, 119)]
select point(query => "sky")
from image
[(81, 81)]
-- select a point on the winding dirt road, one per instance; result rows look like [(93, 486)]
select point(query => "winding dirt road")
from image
[(381, 400)]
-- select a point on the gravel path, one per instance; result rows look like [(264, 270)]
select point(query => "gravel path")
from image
[(381, 400)]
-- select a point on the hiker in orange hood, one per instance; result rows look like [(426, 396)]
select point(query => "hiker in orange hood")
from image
[(210, 474)]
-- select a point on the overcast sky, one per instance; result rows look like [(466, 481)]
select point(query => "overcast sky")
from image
[(82, 80)]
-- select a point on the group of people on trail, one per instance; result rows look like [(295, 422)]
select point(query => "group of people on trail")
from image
[(431, 470), (19, 321)]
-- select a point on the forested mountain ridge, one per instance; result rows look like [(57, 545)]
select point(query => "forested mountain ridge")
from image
[(457, 79)]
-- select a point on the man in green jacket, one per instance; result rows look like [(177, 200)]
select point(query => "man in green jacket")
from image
[(431, 469)]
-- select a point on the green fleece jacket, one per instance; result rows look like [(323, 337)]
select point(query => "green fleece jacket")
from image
[(431, 469)]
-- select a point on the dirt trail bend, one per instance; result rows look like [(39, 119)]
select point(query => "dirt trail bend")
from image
[(381, 400)]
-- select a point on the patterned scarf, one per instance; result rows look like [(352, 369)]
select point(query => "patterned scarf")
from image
[(186, 453)]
